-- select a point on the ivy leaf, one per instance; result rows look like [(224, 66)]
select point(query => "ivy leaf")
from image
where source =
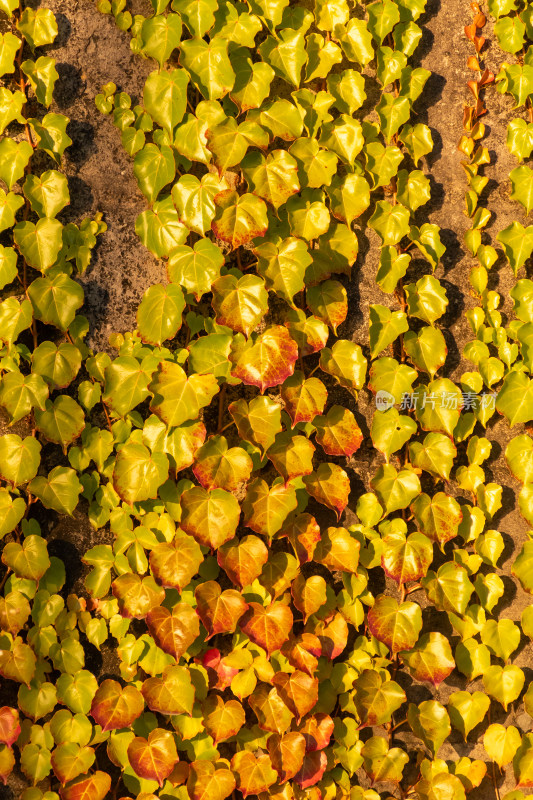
[(160, 229), (329, 485), (304, 398), (390, 431), (503, 683), (449, 588), (514, 399), (254, 774), (95, 786), (47, 194), (196, 268), (38, 26), (61, 421), (265, 508), (42, 75), (172, 693), (239, 218), (243, 560), (274, 178), (287, 753), (430, 722), (11, 512), (406, 558), (431, 659), (268, 627), (159, 313), (160, 35), (376, 699), (269, 360), (208, 780), (396, 625), (344, 362), (338, 432), (258, 422), (393, 112), (240, 302), (344, 137), (395, 490), (356, 42), (285, 55), (283, 266), (194, 201), (176, 397), (165, 97), (39, 243), (174, 631), (390, 222), (69, 760), (501, 743), (385, 327), (517, 243), (126, 384), (209, 66), (28, 560), (56, 300), (252, 80), (217, 465), (434, 455), (114, 707), (20, 393), (438, 517), (210, 516), (138, 473), (59, 491), (174, 564), (329, 302), (426, 349), (520, 138), (219, 610), (467, 710), (136, 596), (154, 168), (19, 458), (153, 758)]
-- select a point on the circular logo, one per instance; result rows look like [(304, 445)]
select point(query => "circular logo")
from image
[(384, 400)]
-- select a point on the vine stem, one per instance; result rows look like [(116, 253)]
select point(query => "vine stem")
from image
[(221, 407)]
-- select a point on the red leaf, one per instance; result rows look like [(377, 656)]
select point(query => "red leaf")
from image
[(174, 631), (243, 560), (312, 769), (116, 707), (269, 361), (317, 731), (9, 725), (219, 610), (268, 627)]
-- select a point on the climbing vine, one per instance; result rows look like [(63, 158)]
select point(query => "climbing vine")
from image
[(264, 613)]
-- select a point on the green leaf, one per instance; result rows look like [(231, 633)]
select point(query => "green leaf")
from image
[(394, 489), (154, 168), (427, 239), (520, 138), (159, 228), (160, 35), (159, 313), (27, 560), (48, 194), (522, 183), (393, 112), (42, 75), (14, 158), (51, 136), (252, 80), (382, 17), (376, 699), (209, 66), (430, 722), (56, 300), (344, 137), (198, 15), (431, 659), (240, 303), (15, 317), (385, 327), (519, 458), (390, 222), (283, 266), (467, 710), (356, 41), (426, 349), (449, 588), (510, 33), (39, 243), (20, 393), (504, 683), (274, 178), (286, 55), (515, 398), (165, 97), (239, 218), (59, 491), (344, 362), (517, 243), (196, 268), (58, 365), (176, 397), (435, 455), (61, 421), (390, 430), (194, 201), (9, 46), (38, 26), (138, 473), (396, 625)]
